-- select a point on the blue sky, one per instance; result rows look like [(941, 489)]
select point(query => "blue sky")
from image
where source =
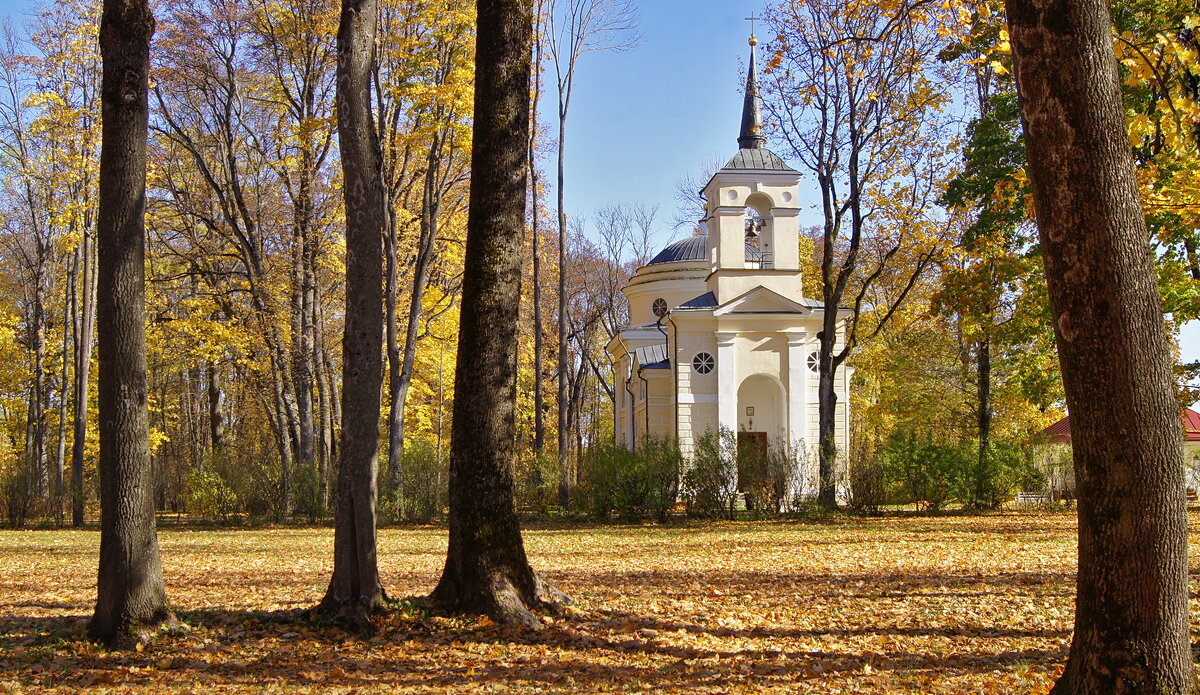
[(642, 119)]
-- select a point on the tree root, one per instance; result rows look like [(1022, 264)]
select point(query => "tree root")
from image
[(549, 596), (128, 633), (353, 613), (503, 601)]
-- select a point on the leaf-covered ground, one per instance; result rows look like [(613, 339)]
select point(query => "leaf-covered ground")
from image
[(925, 605)]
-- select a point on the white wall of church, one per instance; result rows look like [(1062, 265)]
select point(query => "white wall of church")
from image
[(760, 353), (674, 287), (762, 408), (697, 392)]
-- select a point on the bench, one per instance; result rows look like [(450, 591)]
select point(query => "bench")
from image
[(1033, 499)]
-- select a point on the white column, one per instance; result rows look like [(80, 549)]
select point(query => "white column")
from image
[(797, 385), (626, 404), (727, 400), (727, 382)]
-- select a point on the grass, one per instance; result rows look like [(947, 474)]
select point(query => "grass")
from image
[(891, 605)]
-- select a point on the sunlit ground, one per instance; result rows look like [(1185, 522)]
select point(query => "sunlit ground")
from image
[(893, 605)]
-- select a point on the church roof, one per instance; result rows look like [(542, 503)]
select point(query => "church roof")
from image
[(695, 248), (652, 356), (752, 136), (757, 159), (708, 300), (753, 154)]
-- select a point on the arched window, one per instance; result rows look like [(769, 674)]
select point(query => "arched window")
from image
[(754, 225)]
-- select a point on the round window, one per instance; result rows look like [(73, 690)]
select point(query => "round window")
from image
[(660, 307), (814, 362), (703, 362)]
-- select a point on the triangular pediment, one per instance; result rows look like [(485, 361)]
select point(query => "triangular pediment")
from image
[(761, 300)]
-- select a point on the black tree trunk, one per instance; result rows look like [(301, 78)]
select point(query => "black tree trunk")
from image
[(131, 593), (355, 587), (486, 567), (984, 489), (1131, 619)]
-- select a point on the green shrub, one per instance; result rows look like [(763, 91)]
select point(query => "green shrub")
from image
[(868, 484), (1005, 470), (537, 477), (661, 467), (309, 491), (17, 495), (426, 493), (206, 493), (633, 484), (931, 473), (710, 482), (603, 467), (776, 490)]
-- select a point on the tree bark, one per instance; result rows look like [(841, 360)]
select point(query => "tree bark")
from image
[(216, 410), (355, 587), (827, 414), (1131, 620), (131, 593), (60, 456), (401, 380), (395, 397), (86, 304), (326, 393), (564, 481), (539, 416), (486, 568), (35, 439), (983, 369)]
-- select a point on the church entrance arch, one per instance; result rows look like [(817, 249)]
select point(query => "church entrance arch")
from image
[(761, 411)]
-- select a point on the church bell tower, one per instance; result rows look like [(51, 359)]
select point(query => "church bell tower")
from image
[(752, 214)]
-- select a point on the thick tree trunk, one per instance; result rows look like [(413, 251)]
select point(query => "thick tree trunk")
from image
[(302, 330), (130, 589), (486, 567), (826, 444), (355, 587), (1131, 620)]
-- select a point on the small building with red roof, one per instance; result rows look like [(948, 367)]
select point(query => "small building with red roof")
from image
[(1061, 475)]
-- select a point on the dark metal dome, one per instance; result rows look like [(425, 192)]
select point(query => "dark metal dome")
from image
[(695, 248)]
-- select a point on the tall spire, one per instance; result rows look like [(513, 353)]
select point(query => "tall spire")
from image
[(752, 137)]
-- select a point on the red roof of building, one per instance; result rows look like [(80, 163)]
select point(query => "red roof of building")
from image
[(1060, 432)]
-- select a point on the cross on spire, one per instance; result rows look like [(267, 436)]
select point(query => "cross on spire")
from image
[(752, 19)]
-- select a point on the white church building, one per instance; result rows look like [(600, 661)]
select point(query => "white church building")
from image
[(721, 335)]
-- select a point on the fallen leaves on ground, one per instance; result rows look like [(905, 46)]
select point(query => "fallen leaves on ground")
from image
[(893, 605)]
